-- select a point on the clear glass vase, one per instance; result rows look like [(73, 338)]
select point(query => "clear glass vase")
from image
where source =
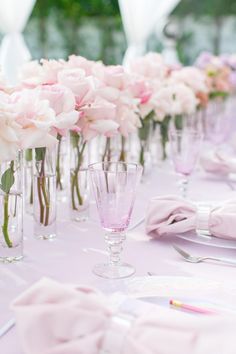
[(62, 167), (11, 210), (44, 193), (79, 183)]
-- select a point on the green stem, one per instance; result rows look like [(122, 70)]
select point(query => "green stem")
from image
[(43, 190), (58, 164), (73, 192), (41, 206), (141, 155), (6, 221), (75, 179), (107, 152), (47, 201), (122, 153), (31, 190)]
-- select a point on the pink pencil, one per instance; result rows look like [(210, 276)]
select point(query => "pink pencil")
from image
[(192, 308)]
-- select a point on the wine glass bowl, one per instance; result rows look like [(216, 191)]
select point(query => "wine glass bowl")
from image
[(185, 147), (114, 185)]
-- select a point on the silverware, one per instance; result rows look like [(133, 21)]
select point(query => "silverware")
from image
[(152, 274), (195, 259), (7, 326)]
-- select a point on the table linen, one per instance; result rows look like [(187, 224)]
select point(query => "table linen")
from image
[(66, 259)]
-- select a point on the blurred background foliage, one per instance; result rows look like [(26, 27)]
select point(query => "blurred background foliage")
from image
[(93, 28)]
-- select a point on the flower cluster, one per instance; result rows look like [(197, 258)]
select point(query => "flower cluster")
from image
[(218, 74), (88, 97)]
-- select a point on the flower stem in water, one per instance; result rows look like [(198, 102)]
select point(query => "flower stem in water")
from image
[(6, 221)]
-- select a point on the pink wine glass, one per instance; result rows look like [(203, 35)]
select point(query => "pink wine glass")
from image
[(114, 185), (185, 147)]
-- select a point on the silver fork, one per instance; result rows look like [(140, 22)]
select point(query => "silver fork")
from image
[(194, 259)]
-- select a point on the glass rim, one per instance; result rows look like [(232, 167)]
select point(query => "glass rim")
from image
[(94, 164)]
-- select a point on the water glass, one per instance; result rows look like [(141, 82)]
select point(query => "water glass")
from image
[(114, 185), (185, 147)]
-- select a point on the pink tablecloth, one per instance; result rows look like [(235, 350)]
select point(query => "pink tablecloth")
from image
[(69, 259)]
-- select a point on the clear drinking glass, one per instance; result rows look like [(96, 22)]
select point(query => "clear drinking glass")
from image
[(114, 185), (185, 147)]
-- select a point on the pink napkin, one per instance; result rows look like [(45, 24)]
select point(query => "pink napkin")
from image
[(171, 215), (218, 162), (60, 319)]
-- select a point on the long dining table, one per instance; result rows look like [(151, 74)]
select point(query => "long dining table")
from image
[(79, 246)]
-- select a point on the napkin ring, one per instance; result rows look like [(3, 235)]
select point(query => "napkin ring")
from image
[(202, 219)]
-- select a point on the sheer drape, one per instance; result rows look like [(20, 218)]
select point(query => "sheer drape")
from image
[(14, 15), (139, 19)]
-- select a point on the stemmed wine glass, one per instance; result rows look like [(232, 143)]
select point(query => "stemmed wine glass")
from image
[(185, 147), (114, 185)]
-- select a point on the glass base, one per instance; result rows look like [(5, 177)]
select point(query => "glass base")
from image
[(45, 232), (46, 237), (79, 216), (109, 271), (10, 259)]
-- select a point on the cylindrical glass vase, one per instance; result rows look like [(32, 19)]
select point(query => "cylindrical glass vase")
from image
[(44, 193), (79, 182), (11, 210)]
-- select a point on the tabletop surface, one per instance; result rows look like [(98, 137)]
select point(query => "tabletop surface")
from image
[(71, 256)]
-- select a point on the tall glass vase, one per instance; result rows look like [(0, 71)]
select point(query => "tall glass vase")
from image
[(44, 193), (79, 183), (11, 210)]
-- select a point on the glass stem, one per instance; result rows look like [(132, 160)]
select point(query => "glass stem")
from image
[(114, 241), (183, 184)]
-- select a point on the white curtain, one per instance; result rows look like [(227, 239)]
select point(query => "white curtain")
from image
[(14, 15), (139, 19)]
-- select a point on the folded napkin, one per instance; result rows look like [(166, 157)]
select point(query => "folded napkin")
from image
[(172, 215), (219, 162), (60, 319)]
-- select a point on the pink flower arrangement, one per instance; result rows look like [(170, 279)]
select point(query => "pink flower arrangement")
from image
[(218, 74)]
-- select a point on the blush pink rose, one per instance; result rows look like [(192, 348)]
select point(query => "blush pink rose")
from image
[(62, 101), (97, 118), (35, 118), (81, 86)]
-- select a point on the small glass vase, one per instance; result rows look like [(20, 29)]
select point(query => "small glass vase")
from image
[(62, 167), (28, 181), (44, 193), (79, 182), (11, 210)]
